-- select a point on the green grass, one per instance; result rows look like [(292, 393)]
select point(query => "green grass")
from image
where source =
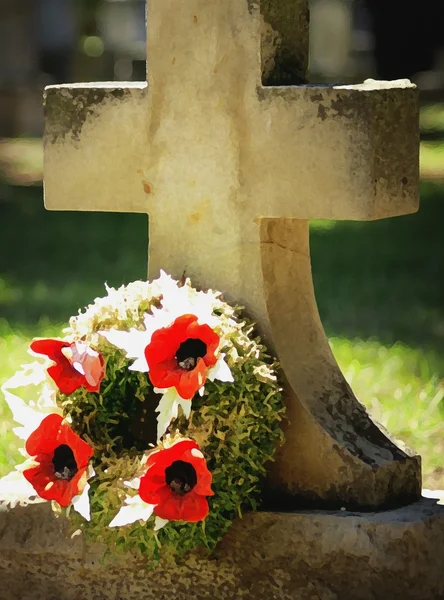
[(380, 290), (403, 390)]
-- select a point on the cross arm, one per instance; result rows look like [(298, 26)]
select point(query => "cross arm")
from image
[(94, 141), (352, 151)]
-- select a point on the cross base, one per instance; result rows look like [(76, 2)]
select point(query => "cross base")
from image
[(266, 555)]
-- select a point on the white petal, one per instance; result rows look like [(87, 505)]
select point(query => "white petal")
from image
[(79, 368), (30, 415), (180, 300), (134, 484), (159, 523), (134, 510), (168, 408), (31, 419), (197, 453), (81, 503), (139, 365), (15, 489), (220, 371), (157, 319), (186, 407), (132, 342), (31, 374), (27, 416)]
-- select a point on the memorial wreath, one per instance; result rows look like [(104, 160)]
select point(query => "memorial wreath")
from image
[(151, 422)]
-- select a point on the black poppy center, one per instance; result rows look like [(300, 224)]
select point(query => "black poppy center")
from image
[(189, 353), (65, 466), (181, 477)]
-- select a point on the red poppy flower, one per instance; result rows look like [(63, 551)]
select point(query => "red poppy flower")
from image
[(177, 482), (62, 459), (76, 365), (180, 355)]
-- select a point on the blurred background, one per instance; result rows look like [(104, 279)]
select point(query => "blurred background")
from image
[(380, 286)]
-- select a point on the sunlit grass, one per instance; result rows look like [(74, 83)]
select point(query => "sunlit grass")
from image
[(402, 389), (431, 117), (14, 347), (432, 160)]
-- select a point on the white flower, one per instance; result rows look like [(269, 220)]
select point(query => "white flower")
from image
[(31, 414), (134, 509), (16, 490), (133, 343), (220, 371), (168, 408), (159, 523), (81, 503)]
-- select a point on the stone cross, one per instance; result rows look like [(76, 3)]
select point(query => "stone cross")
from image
[(230, 169)]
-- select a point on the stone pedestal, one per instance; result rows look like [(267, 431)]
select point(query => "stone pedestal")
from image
[(314, 555)]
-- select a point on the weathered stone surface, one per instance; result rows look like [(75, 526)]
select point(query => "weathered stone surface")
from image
[(229, 172), (70, 112), (353, 151), (265, 556)]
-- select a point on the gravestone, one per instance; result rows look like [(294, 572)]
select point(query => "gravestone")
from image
[(230, 171), (230, 157)]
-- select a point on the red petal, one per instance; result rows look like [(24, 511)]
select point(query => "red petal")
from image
[(51, 348), (44, 440), (154, 478), (66, 378), (204, 477), (81, 450), (167, 456), (153, 489), (165, 375), (150, 492), (208, 337), (48, 487), (166, 341), (191, 381), (160, 349), (160, 356), (51, 433), (191, 508), (182, 323)]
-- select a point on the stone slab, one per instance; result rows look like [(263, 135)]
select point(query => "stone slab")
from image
[(316, 555)]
